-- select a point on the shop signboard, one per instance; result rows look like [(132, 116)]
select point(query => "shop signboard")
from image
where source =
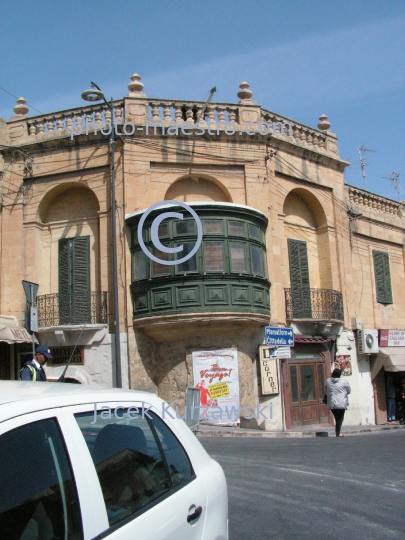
[(216, 375), (268, 371), (392, 338), (279, 336)]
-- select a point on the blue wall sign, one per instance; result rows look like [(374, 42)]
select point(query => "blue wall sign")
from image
[(279, 337)]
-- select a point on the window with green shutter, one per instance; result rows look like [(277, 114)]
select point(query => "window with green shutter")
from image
[(299, 277), (382, 277), (74, 280)]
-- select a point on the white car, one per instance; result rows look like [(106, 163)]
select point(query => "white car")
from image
[(81, 462)]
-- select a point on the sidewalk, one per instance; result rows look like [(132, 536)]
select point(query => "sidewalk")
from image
[(310, 431)]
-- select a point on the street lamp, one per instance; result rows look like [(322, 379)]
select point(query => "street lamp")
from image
[(95, 94)]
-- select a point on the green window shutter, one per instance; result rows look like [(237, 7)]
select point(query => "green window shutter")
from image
[(299, 277), (74, 280), (382, 277)]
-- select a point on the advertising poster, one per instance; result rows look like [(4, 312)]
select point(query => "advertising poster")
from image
[(343, 362), (216, 375)]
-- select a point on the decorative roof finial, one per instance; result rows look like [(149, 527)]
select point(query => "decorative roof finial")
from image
[(245, 93), (324, 124), (21, 108), (135, 87)]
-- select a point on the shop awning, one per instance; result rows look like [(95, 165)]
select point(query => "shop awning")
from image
[(390, 358), (14, 334)]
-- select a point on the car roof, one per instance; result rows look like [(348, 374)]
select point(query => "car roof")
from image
[(22, 397)]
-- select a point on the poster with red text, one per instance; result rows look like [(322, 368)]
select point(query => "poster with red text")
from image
[(216, 375)]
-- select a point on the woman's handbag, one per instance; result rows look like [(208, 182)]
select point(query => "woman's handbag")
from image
[(325, 399)]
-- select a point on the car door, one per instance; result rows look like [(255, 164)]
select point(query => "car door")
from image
[(149, 486), (39, 496)]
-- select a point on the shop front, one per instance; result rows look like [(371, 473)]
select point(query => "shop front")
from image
[(388, 375), (15, 347)]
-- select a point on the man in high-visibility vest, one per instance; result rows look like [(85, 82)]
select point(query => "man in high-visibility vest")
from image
[(33, 370)]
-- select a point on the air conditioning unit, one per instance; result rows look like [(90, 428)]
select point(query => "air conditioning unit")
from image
[(367, 341)]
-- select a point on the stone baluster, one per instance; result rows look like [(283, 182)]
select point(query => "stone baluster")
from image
[(322, 142), (189, 115), (167, 111), (221, 115), (118, 114), (107, 116), (232, 114), (200, 113), (59, 122), (51, 126), (32, 128), (178, 114), (69, 119), (155, 112), (88, 118), (211, 113), (98, 118), (41, 126)]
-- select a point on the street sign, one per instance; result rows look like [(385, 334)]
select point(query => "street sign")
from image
[(34, 319), (30, 290), (279, 336), (283, 352)]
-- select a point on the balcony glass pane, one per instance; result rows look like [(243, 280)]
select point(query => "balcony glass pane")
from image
[(212, 226), (163, 230), (159, 269), (254, 232), (191, 264), (238, 257), (257, 262), (236, 228), (213, 256), (139, 269), (185, 227), (294, 384)]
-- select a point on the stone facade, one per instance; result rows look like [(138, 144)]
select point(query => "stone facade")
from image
[(56, 185)]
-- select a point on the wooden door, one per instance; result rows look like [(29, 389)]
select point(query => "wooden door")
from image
[(307, 381)]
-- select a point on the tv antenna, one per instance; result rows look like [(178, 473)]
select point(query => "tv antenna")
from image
[(396, 184), (363, 164)]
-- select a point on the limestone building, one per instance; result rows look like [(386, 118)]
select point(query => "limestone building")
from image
[(285, 243)]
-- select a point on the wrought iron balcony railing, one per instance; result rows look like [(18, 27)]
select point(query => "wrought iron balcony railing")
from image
[(313, 304), (71, 309)]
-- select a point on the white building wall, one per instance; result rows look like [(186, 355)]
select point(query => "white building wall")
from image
[(361, 400)]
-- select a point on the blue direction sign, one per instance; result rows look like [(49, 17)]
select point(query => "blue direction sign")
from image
[(279, 337)]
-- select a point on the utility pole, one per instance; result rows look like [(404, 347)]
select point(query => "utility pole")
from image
[(363, 164), (396, 184)]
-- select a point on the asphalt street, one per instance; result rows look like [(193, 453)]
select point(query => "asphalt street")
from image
[(349, 488)]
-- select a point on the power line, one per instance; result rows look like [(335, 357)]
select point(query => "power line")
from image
[(7, 92)]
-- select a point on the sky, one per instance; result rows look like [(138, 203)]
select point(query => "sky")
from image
[(301, 58)]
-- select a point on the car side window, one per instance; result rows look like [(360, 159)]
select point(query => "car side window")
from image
[(38, 495), (128, 461), (176, 457)]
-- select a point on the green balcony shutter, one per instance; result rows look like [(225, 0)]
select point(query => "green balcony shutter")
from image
[(299, 277), (74, 280), (382, 277)]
